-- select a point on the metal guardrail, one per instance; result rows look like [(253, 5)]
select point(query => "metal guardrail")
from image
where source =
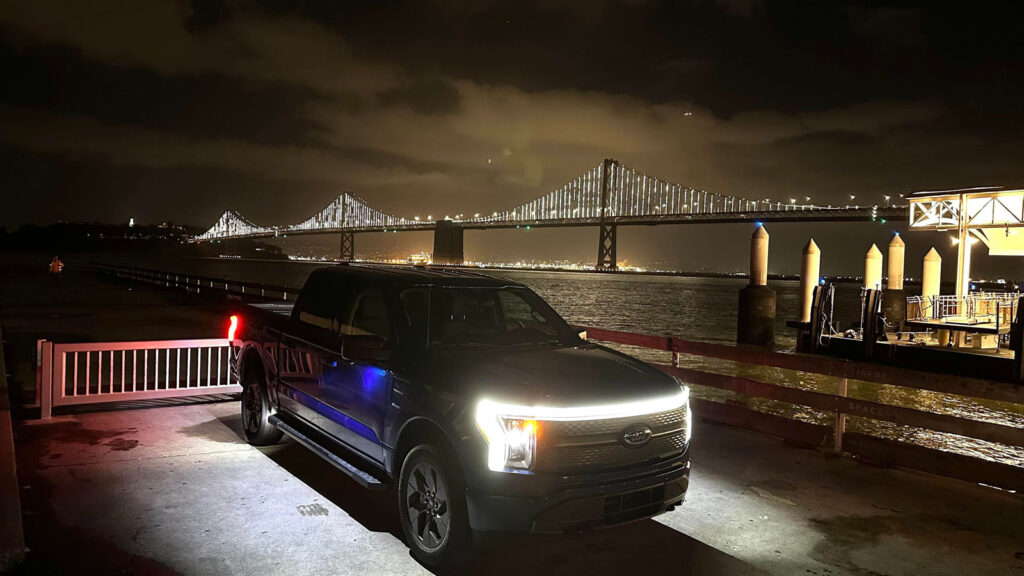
[(97, 372), (978, 308), (869, 447), (198, 284)]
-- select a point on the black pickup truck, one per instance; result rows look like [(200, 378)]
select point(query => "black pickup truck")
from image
[(470, 396)]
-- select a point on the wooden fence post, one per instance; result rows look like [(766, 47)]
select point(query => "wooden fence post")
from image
[(840, 425), (46, 382)]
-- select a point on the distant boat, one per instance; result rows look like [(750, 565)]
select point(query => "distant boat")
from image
[(235, 256), (999, 285)]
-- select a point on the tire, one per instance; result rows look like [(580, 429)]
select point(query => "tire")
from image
[(256, 410), (432, 508)]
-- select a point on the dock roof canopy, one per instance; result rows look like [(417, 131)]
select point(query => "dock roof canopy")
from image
[(991, 214)]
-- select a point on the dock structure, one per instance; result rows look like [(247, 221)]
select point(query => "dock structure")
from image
[(975, 332), (170, 488)]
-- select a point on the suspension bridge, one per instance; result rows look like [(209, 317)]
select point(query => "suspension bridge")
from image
[(606, 196)]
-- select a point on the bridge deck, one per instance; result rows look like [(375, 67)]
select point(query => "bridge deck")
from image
[(862, 214)]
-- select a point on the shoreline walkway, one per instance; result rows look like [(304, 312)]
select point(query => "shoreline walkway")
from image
[(175, 489)]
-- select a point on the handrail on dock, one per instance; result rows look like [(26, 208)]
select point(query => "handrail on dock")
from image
[(994, 308), (199, 284), (835, 437)]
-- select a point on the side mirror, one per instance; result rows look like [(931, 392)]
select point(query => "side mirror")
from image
[(364, 348)]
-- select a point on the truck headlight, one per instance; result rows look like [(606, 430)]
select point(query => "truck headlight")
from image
[(511, 431), (685, 392), (689, 415), (511, 441)]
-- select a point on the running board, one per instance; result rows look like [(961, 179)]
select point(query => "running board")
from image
[(362, 477)]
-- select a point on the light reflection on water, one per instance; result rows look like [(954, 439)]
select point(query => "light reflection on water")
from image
[(703, 309)]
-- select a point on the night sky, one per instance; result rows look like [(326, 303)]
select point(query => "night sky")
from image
[(172, 110)]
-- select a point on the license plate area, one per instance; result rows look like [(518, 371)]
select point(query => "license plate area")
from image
[(619, 508)]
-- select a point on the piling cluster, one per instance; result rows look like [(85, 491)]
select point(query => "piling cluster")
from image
[(756, 318)]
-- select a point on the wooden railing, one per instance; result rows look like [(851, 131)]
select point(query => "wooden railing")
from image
[(835, 437)]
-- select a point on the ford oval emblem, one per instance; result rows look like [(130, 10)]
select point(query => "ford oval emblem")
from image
[(636, 436)]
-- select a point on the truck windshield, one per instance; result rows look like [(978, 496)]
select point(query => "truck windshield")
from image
[(466, 316)]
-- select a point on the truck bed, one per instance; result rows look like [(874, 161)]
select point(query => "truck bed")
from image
[(280, 308)]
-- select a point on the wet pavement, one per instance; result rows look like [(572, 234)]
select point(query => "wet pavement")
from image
[(176, 490)]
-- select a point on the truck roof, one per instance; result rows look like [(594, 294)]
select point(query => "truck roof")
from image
[(416, 275)]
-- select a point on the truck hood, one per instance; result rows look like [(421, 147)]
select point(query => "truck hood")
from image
[(563, 376)]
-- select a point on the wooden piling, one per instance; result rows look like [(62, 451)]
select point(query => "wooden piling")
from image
[(755, 323), (810, 270), (873, 269)]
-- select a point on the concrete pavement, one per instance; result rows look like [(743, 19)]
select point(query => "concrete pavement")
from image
[(176, 491)]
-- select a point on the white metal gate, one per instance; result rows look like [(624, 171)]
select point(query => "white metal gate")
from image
[(94, 372)]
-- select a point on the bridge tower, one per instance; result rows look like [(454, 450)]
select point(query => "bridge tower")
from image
[(606, 258), (448, 246), (347, 252)]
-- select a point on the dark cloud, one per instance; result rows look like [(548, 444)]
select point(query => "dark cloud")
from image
[(425, 96), (206, 14), (60, 79), (178, 109), (788, 56)]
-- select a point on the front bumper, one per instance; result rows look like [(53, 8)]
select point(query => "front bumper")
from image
[(583, 506)]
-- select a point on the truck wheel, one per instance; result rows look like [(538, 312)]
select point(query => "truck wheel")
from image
[(432, 505), (256, 411)]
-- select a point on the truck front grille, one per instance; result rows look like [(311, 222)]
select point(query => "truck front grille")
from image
[(612, 455), (615, 425), (574, 447)]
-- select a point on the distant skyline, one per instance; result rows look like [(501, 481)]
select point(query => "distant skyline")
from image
[(177, 110)]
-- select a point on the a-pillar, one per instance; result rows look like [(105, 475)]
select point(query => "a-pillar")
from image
[(347, 252), (810, 270), (756, 319), (894, 299), (448, 243)]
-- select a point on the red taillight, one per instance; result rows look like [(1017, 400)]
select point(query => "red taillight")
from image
[(233, 328)]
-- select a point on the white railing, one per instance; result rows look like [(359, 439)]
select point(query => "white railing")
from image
[(95, 372), (999, 308)]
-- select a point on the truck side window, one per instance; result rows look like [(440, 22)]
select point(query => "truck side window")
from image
[(321, 302), (369, 316), (519, 313)]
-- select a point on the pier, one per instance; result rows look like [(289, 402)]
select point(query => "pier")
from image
[(159, 484)]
